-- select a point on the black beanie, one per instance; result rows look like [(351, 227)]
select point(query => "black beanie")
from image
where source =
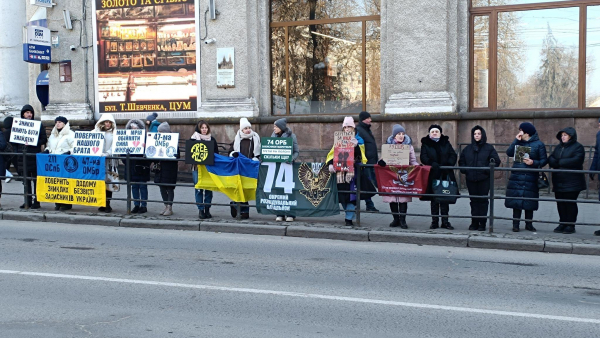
[(435, 126), (528, 128), (363, 116), (61, 119)]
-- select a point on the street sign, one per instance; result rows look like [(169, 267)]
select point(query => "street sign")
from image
[(36, 48), (42, 3)]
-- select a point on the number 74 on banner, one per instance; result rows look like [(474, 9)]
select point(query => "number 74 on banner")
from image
[(284, 179)]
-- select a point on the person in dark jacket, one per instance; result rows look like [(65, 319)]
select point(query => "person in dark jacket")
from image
[(167, 174), (478, 154), (364, 130), (437, 151), (280, 129), (139, 172), (203, 197), (570, 155), (522, 183), (596, 163), (30, 170)]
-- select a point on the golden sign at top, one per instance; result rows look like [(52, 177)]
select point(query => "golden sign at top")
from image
[(109, 4)]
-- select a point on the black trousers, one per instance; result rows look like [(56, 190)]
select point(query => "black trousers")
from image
[(479, 206), (567, 211), (167, 194), (30, 186), (435, 210), (528, 216)]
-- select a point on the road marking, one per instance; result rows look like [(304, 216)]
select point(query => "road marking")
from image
[(306, 295)]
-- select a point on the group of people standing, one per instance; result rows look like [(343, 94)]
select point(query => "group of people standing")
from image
[(436, 151)]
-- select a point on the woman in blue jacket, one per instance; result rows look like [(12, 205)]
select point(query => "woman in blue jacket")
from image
[(524, 183)]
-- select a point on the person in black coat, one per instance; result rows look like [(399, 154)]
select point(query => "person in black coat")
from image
[(165, 172), (569, 155), (478, 154), (30, 170), (437, 151), (139, 172), (363, 129), (596, 163)]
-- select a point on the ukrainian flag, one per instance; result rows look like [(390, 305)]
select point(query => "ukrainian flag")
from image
[(236, 177)]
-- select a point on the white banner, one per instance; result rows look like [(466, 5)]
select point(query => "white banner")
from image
[(88, 143), (129, 141), (162, 145), (25, 131)]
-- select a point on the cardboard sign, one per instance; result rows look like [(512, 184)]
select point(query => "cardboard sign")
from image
[(343, 151), (161, 145), (396, 154), (88, 143), (199, 152), (25, 131), (129, 141), (276, 149)]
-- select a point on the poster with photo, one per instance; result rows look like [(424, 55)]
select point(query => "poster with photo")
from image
[(146, 56), (225, 68), (162, 145)]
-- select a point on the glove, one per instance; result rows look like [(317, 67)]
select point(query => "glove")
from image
[(381, 163), (235, 154), (67, 153), (354, 142), (255, 159), (592, 177), (47, 151), (331, 168), (435, 166)]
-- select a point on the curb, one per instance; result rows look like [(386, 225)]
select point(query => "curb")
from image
[(506, 243), (339, 234), (79, 219), (419, 238), (557, 247), (159, 224), (23, 216), (586, 249), (240, 228)]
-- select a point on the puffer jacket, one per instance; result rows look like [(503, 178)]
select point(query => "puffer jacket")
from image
[(478, 154), (571, 156), (437, 154), (33, 149), (61, 142), (525, 184), (364, 130)]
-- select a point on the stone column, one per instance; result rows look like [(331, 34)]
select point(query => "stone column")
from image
[(14, 80)]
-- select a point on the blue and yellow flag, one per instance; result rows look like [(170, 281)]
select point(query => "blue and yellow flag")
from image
[(235, 177)]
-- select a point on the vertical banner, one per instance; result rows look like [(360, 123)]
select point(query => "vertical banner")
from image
[(225, 68), (25, 131), (71, 179), (343, 151), (129, 141), (276, 149), (299, 189), (402, 179), (88, 143), (162, 145), (146, 55), (396, 154)]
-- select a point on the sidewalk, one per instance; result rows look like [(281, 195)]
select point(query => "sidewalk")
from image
[(376, 225)]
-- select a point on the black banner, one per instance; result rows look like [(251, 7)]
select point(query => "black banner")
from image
[(199, 152)]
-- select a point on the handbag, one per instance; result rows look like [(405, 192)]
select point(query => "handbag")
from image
[(112, 176), (445, 187), (543, 182)]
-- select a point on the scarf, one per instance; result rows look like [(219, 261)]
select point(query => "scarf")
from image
[(201, 137), (435, 139), (241, 136)]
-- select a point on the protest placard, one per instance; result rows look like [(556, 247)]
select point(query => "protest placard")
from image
[(161, 145), (276, 149), (88, 143), (395, 154), (129, 141), (343, 151), (199, 152), (25, 131)]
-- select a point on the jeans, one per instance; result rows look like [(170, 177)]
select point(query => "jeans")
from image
[(203, 196), (567, 212), (370, 172), (349, 207), (167, 194), (136, 191)]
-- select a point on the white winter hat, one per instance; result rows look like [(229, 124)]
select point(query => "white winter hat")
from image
[(244, 123)]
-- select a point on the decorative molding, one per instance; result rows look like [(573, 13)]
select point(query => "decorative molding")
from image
[(72, 111), (246, 107), (421, 102), (10, 110)]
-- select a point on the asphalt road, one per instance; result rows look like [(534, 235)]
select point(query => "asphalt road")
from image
[(90, 281)]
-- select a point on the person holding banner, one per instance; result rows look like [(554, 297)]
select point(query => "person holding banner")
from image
[(203, 197), (30, 170), (247, 143), (478, 154), (436, 151), (346, 180), (61, 142), (280, 129), (106, 124), (165, 172), (139, 172), (399, 204)]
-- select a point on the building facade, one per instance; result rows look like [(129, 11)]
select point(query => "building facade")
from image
[(457, 63)]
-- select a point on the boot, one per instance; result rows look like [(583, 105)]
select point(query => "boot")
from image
[(207, 212), (169, 211), (135, 209), (516, 214), (162, 213), (560, 228), (245, 215), (529, 227), (481, 226), (108, 208), (143, 210), (435, 210), (394, 209), (569, 229), (403, 207), (446, 224), (201, 214), (445, 208), (474, 225), (349, 223)]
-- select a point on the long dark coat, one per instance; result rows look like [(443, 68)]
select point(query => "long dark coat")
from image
[(168, 171), (364, 130), (571, 156), (525, 184), (478, 154), (436, 154)]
